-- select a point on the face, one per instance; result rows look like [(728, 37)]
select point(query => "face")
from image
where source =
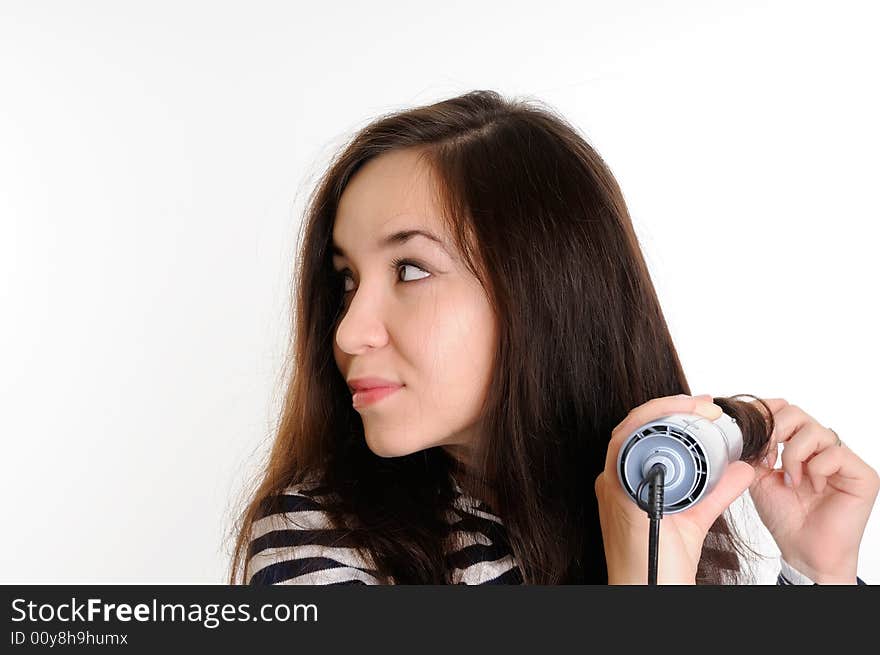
[(423, 322)]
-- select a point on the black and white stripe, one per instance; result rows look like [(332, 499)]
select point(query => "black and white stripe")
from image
[(295, 544), (788, 575)]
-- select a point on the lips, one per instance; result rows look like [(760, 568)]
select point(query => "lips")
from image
[(372, 382), (368, 390), (366, 397)]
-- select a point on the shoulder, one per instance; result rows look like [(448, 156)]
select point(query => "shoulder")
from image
[(294, 542)]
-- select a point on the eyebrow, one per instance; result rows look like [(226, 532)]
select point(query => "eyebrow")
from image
[(398, 238)]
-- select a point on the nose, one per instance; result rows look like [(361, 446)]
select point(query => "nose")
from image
[(363, 323)]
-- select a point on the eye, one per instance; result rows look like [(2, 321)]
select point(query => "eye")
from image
[(403, 263), (396, 264), (343, 275)]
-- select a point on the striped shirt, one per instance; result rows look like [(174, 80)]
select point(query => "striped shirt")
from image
[(298, 545)]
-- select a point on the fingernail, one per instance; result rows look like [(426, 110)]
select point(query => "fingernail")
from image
[(787, 479), (708, 409)]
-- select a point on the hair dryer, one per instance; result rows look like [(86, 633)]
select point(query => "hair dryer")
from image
[(693, 449)]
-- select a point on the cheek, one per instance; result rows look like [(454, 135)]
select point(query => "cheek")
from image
[(456, 352)]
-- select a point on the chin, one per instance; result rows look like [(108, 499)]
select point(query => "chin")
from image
[(387, 449)]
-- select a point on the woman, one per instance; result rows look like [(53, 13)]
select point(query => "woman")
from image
[(476, 259)]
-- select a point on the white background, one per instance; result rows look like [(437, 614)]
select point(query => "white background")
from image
[(155, 158)]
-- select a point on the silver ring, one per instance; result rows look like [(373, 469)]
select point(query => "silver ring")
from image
[(839, 442)]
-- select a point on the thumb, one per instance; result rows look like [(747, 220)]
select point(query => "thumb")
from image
[(736, 479)]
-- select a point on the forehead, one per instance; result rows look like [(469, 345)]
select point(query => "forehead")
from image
[(392, 192)]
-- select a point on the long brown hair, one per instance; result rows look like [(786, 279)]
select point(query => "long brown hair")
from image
[(540, 221)]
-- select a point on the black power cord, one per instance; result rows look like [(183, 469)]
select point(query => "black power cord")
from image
[(655, 479)]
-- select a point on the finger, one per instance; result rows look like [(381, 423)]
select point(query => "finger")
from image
[(789, 420), (738, 476), (651, 411), (822, 466), (774, 404), (786, 421), (839, 462), (808, 440)]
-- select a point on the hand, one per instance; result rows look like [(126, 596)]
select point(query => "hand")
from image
[(625, 526), (817, 523)]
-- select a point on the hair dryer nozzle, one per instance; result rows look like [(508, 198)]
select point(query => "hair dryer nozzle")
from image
[(694, 450)]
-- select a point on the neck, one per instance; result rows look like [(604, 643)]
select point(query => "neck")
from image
[(476, 487), (471, 480)]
